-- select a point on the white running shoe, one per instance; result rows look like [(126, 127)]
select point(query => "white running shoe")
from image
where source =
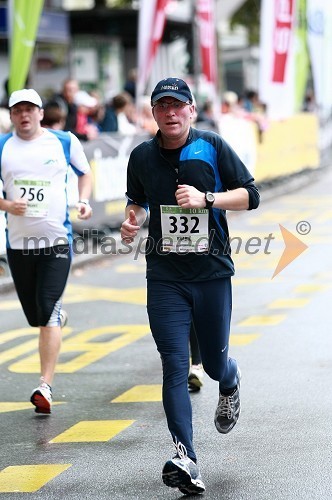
[(181, 472), (195, 378), (41, 397)]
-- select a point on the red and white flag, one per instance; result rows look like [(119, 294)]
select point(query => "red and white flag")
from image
[(282, 34), (151, 24), (277, 57), (207, 39)]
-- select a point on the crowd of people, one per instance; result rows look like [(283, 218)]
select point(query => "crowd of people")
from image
[(87, 115)]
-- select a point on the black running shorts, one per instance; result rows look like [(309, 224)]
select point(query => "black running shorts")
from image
[(40, 277)]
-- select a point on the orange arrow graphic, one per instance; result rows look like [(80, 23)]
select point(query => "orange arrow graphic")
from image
[(293, 248)]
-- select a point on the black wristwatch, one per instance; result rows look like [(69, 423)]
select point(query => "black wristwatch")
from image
[(209, 199)]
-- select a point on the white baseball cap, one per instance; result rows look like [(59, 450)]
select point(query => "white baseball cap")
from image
[(25, 95)]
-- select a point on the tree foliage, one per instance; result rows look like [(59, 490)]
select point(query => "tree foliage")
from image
[(248, 15)]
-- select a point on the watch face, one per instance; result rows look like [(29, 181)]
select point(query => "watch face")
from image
[(210, 197)]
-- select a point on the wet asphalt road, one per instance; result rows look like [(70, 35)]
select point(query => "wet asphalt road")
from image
[(107, 436)]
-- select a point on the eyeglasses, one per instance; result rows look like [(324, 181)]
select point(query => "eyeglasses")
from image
[(165, 106)]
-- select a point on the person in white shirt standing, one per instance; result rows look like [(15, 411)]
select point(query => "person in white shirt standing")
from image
[(34, 163)]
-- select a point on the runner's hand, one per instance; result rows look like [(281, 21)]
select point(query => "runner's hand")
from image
[(129, 228), (84, 211), (189, 197), (17, 207)]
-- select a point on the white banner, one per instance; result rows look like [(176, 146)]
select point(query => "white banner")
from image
[(319, 19), (277, 57)]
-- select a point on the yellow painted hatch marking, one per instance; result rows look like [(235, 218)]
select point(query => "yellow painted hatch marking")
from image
[(266, 320), (92, 431), (24, 347), (85, 348), (140, 394), (28, 478)]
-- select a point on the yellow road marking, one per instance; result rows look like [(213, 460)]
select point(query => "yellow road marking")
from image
[(140, 394), (6, 407), (92, 431), (131, 268), (86, 351), (310, 288), (288, 303), (239, 339), (265, 320), (28, 478)]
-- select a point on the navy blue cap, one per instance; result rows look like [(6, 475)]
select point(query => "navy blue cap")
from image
[(172, 87)]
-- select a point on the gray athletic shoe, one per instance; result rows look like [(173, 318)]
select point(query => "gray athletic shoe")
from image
[(63, 318), (228, 409), (181, 472)]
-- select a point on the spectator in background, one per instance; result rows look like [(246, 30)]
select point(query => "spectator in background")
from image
[(229, 103), (70, 88), (5, 122), (205, 117), (250, 101), (145, 116), (309, 105), (130, 85), (54, 115), (119, 115), (5, 97), (86, 107), (255, 111)]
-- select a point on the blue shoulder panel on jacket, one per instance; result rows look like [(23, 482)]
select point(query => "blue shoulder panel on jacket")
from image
[(65, 140), (200, 149)]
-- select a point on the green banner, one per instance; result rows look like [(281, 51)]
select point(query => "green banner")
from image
[(25, 16), (301, 55)]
